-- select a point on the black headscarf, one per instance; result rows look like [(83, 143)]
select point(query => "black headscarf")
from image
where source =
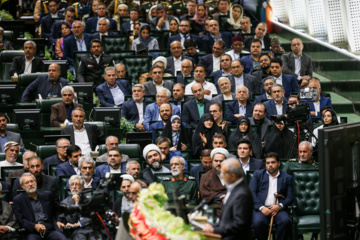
[(184, 135), (280, 142), (249, 134), (197, 144), (334, 120)]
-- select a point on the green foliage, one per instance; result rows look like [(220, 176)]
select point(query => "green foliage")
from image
[(28, 35), (5, 15), (70, 77), (126, 126), (96, 100), (47, 54)]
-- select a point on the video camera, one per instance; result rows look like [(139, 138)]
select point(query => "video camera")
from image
[(308, 94), (294, 114)]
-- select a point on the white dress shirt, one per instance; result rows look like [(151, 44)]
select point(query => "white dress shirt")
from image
[(231, 187), (206, 85), (177, 65), (115, 170), (297, 66), (269, 201), (245, 167), (88, 185), (278, 80), (140, 107), (216, 63), (279, 107), (117, 94), (28, 65), (82, 140), (81, 46)]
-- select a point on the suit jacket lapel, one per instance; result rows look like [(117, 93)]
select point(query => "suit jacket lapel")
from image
[(195, 107), (303, 59), (292, 60), (233, 85), (88, 132)]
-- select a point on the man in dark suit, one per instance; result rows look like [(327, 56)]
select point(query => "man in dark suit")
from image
[(37, 211), (134, 109), (61, 112), (252, 61), (78, 41), (162, 19), (239, 78), (212, 61), (215, 34), (8, 136), (8, 222), (240, 107), (112, 92), (17, 173), (174, 62), (157, 81), (264, 71), (114, 164), (45, 86), (297, 63), (28, 63), (278, 104), (62, 145), (223, 9), (92, 22), (152, 156), (47, 21), (87, 171), (267, 84), (86, 136), (245, 152), (225, 89), (205, 165), (129, 26), (184, 34), (289, 82), (225, 69), (190, 114), (320, 101), (260, 34), (186, 71), (258, 119), (70, 167), (236, 213), (56, 26), (165, 113), (103, 29), (264, 184)]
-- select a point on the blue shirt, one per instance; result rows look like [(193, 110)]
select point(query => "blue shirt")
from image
[(69, 109), (3, 141)]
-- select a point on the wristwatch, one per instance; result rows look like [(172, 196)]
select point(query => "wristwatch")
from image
[(280, 207)]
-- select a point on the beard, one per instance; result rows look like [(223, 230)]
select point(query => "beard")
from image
[(11, 160), (175, 172), (113, 165), (31, 190), (156, 165), (75, 191)]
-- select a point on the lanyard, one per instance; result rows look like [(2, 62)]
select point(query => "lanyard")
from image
[(80, 43)]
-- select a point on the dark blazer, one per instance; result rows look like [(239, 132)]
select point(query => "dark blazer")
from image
[(101, 170), (190, 113), (264, 126), (259, 75), (271, 107), (104, 93), (41, 86), (236, 214), (267, 42), (233, 108), (154, 126), (125, 28), (208, 41), (150, 88), (289, 64), (91, 24), (324, 101), (47, 183), (220, 98), (207, 61), (96, 137), (59, 114), (65, 169), (178, 38), (180, 78), (153, 22), (289, 83), (256, 164), (259, 186), (70, 47), (18, 65), (54, 159), (130, 111), (170, 67), (217, 74), (247, 63), (152, 113), (259, 99), (46, 25), (195, 172), (16, 137), (148, 176), (97, 35), (249, 82), (25, 214)]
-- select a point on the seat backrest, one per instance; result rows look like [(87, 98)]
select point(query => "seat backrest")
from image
[(119, 56), (100, 125), (13, 127), (45, 107), (187, 154), (193, 163), (158, 177), (132, 150), (77, 57), (135, 64), (222, 22), (5, 170), (306, 191), (52, 170), (62, 63), (63, 180), (45, 151), (25, 80), (6, 58), (115, 43)]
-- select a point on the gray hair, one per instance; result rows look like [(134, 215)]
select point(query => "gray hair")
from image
[(107, 20), (307, 143), (26, 175), (77, 21), (109, 69), (182, 160), (138, 85), (106, 140), (78, 108), (269, 77), (61, 139), (131, 162), (26, 152), (234, 166), (67, 88), (185, 60), (86, 159), (224, 78), (247, 90), (74, 177), (277, 85), (122, 5), (119, 64), (30, 42), (162, 89)]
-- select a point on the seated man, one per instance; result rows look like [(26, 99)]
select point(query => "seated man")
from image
[(165, 113), (152, 87), (29, 63), (278, 104), (92, 22), (86, 136), (133, 168), (92, 66), (87, 170), (45, 86), (8, 136), (259, 119), (61, 112), (225, 89), (129, 26), (237, 48), (103, 28), (47, 21), (214, 33), (184, 33), (120, 70), (8, 222), (245, 152), (239, 78), (260, 34), (152, 156), (320, 101), (56, 26), (186, 71), (42, 222), (43, 182), (17, 173), (252, 62), (166, 155), (225, 69), (114, 164), (11, 150), (174, 61), (264, 71), (305, 160), (219, 141), (62, 145), (185, 184), (212, 60), (110, 142), (263, 188), (212, 189), (268, 82), (152, 110), (70, 167), (239, 108), (199, 77), (205, 165), (216, 111), (124, 203), (112, 92), (162, 19), (179, 94)]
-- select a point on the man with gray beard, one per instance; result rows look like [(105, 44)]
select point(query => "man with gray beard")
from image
[(152, 155), (185, 184), (87, 170)]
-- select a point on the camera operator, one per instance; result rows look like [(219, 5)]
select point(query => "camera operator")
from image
[(124, 203), (320, 101), (294, 101)]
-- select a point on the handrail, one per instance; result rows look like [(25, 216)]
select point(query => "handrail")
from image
[(328, 45)]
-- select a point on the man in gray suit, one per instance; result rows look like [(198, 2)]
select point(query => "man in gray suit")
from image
[(151, 87), (8, 136), (225, 88), (297, 63), (239, 78), (258, 118)]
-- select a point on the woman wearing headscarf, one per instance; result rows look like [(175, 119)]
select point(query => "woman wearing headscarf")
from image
[(244, 130), (197, 23), (329, 118), (152, 13), (280, 139), (177, 133), (233, 22), (203, 136), (145, 38)]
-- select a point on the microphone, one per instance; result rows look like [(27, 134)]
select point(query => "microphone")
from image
[(198, 207)]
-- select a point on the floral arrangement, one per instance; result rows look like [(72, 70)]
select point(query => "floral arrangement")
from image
[(150, 220)]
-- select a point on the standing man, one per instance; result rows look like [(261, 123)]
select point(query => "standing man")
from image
[(212, 61), (62, 145), (236, 213), (241, 107), (152, 87), (264, 184), (8, 136), (225, 89), (278, 104), (199, 77), (152, 155), (124, 203), (252, 62), (184, 33), (239, 78), (260, 34)]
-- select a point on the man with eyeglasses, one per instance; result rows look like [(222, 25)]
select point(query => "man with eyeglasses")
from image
[(242, 107), (61, 112), (268, 82), (152, 87), (212, 61), (17, 173), (70, 167), (111, 142), (225, 89), (215, 35), (62, 145), (265, 70), (184, 34)]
